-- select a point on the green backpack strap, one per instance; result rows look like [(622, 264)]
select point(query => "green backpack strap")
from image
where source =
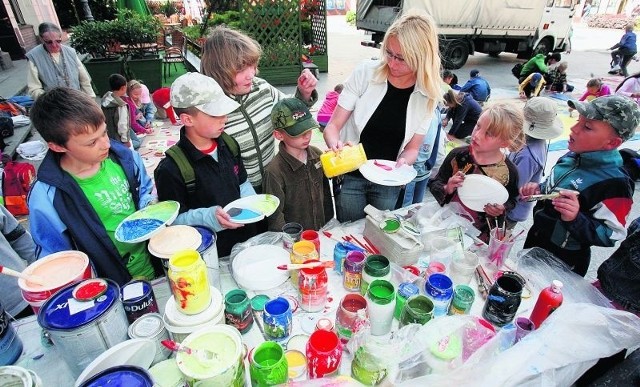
[(231, 144), (186, 170)]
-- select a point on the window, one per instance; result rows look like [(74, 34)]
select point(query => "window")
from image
[(17, 13)]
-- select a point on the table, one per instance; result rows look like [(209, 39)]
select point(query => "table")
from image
[(45, 360)]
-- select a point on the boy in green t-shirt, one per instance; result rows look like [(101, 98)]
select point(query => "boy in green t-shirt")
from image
[(87, 184)]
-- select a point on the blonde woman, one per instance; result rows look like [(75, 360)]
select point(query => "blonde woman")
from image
[(231, 58), (387, 105)]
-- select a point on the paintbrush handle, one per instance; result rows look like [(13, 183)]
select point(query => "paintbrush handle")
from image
[(13, 273), (298, 266)]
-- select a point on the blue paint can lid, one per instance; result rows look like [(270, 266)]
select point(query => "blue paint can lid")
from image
[(129, 376), (63, 312), (208, 238), (407, 289), (146, 290)]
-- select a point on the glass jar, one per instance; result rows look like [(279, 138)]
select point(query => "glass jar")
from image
[(405, 290), (237, 310), (189, 283), (463, 297), (352, 309), (300, 252), (268, 365), (439, 288), (417, 310), (312, 286), (353, 264), (381, 302), (366, 369), (375, 267), (503, 300)]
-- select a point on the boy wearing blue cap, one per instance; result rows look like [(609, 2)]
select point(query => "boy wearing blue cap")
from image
[(295, 174), (595, 192)]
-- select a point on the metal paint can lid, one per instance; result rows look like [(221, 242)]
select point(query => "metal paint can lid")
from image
[(63, 312), (147, 326), (208, 238)]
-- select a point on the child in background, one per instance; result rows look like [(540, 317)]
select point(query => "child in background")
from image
[(595, 89), (162, 101), (596, 193), (541, 123), (116, 111), (296, 169), (531, 85), (558, 79), (138, 131), (329, 105), (499, 126), (143, 111), (451, 79), (86, 186), (218, 172)]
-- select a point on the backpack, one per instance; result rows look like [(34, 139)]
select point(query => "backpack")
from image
[(10, 109), (631, 163), (186, 170), (517, 69), (17, 179)]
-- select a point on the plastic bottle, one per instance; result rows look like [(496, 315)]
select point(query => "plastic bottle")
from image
[(550, 299)]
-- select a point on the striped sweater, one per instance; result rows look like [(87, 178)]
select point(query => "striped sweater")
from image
[(250, 126)]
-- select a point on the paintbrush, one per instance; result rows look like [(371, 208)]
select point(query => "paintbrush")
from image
[(27, 277), (312, 265)]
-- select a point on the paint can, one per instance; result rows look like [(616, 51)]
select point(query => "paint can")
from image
[(138, 299), (10, 343), (180, 325), (209, 253), (130, 376), (226, 344), (58, 270), (150, 326), (15, 376), (167, 374), (83, 330)]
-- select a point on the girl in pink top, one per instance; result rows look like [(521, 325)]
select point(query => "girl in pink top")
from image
[(329, 105), (595, 89), (630, 87)]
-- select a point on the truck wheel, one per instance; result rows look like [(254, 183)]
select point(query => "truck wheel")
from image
[(456, 55), (543, 47)]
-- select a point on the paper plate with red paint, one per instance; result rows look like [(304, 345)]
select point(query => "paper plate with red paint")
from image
[(384, 172)]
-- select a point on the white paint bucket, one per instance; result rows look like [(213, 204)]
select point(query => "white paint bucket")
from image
[(181, 325), (81, 331), (150, 326), (14, 376)]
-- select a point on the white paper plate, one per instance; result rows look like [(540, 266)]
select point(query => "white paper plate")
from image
[(479, 190), (254, 208), (256, 267), (134, 352), (144, 223), (395, 177)]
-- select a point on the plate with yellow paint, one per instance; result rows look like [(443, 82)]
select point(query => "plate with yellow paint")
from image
[(251, 209)]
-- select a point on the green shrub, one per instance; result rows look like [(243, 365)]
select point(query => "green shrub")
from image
[(351, 18)]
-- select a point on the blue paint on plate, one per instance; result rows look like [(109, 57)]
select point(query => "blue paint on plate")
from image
[(243, 214), (137, 228)]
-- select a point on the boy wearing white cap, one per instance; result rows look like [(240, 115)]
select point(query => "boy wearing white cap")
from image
[(201, 172), (541, 123)]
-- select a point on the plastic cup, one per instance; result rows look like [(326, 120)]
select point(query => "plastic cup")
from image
[(524, 326), (444, 250), (463, 268), (499, 247)]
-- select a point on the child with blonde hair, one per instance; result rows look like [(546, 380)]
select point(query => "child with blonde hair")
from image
[(558, 79), (499, 127), (595, 89)]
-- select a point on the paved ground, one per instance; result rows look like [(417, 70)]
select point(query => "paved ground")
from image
[(588, 59)]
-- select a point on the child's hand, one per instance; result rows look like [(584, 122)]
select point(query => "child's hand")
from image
[(454, 182), (494, 209), (529, 189), (225, 220), (400, 162), (567, 205), (307, 82)]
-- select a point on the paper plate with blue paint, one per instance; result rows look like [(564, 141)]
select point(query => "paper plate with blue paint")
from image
[(251, 209), (144, 223)]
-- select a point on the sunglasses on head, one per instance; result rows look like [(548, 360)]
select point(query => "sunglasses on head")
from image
[(50, 42)]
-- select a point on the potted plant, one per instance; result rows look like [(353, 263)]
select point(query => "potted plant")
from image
[(139, 33), (97, 39)]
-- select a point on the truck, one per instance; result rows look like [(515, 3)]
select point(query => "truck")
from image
[(524, 27)]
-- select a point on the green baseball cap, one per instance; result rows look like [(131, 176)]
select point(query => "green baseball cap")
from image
[(621, 112), (292, 116)]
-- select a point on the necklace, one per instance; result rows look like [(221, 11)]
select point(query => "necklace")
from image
[(61, 69)]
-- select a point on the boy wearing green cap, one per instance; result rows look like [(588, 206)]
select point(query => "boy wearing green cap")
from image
[(295, 174), (596, 193)]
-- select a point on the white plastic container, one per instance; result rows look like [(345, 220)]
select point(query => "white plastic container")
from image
[(181, 325)]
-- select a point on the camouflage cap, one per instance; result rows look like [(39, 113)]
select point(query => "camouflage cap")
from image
[(621, 112), (292, 116), (202, 92)]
